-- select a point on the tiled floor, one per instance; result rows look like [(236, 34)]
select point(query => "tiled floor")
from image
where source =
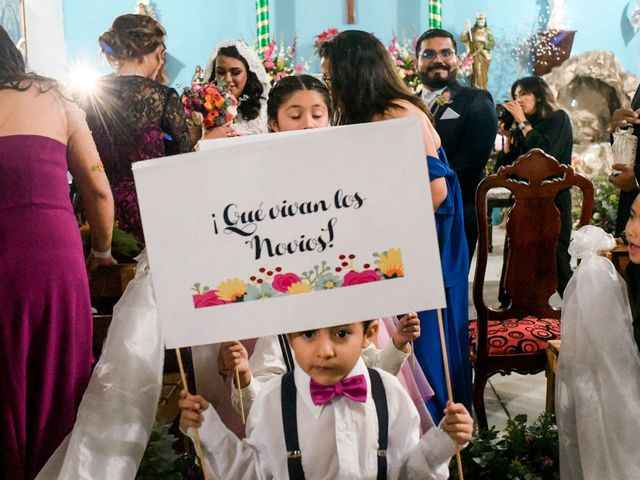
[(508, 395)]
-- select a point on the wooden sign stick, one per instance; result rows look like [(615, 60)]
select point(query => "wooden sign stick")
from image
[(183, 377), (413, 357), (240, 395), (447, 376)]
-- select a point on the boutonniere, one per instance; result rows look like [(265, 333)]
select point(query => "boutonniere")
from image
[(443, 99)]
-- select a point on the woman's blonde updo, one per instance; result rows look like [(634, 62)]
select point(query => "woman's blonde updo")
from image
[(131, 37)]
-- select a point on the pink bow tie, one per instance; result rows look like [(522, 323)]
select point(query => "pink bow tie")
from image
[(354, 388)]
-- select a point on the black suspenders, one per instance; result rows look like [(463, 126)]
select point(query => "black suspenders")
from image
[(290, 424), (286, 352), (380, 399)]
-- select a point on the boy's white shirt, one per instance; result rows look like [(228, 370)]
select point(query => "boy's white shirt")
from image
[(338, 440), (266, 361)]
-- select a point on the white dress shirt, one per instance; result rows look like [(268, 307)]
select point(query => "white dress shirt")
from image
[(429, 96), (267, 361), (338, 440)]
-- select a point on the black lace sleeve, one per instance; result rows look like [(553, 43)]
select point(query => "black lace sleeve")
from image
[(174, 124)]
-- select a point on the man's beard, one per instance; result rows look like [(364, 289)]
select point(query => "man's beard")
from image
[(436, 83)]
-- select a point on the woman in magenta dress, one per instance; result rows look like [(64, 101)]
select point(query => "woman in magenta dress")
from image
[(45, 314), (131, 115)]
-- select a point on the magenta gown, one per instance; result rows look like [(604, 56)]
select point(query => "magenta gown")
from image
[(45, 312)]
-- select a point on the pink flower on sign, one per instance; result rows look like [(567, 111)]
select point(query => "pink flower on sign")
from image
[(282, 281), (208, 299), (356, 278), (299, 68)]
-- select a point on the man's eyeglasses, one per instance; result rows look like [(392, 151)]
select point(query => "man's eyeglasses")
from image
[(431, 54)]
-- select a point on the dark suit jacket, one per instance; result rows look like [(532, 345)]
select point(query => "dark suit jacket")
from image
[(627, 198), (468, 139)]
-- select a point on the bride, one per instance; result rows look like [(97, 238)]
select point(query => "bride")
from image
[(238, 65)]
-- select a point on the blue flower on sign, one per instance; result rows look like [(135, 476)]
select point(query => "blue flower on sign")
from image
[(328, 281), (264, 291)]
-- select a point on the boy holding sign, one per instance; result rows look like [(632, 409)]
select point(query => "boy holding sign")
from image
[(336, 418)]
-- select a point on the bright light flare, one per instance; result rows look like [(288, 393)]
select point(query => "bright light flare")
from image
[(82, 78)]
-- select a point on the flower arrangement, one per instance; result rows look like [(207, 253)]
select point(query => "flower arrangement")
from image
[(521, 452), (268, 283), (124, 246), (405, 62), (216, 106), (160, 460), (280, 61), (605, 205), (465, 61), (326, 36)]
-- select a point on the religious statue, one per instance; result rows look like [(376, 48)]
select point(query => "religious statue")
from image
[(198, 75), (479, 41), (145, 7)]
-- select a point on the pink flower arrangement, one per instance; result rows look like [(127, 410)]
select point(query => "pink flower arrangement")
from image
[(326, 36), (280, 62), (405, 61), (217, 106)]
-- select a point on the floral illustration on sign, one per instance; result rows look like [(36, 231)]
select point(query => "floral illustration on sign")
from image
[(276, 283)]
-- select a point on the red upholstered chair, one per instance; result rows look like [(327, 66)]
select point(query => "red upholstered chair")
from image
[(513, 338)]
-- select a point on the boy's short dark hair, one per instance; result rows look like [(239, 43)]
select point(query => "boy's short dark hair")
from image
[(435, 33)]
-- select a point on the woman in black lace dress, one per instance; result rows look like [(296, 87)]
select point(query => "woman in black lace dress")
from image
[(132, 116)]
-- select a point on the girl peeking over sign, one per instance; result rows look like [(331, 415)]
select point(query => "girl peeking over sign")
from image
[(303, 102)]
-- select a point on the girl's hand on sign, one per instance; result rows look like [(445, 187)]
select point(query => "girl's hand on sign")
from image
[(407, 330), (233, 355), (192, 407), (457, 423)]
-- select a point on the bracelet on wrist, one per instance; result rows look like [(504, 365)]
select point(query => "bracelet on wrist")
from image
[(105, 254)]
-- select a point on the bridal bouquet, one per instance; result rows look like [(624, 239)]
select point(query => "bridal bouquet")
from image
[(209, 105)]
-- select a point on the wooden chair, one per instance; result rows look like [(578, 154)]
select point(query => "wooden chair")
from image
[(513, 338)]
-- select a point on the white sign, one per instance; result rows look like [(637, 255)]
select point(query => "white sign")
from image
[(286, 232)]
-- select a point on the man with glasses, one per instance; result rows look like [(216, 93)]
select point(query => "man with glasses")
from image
[(464, 117)]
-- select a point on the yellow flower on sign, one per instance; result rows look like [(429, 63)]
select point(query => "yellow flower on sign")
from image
[(299, 287), (390, 263), (231, 289)]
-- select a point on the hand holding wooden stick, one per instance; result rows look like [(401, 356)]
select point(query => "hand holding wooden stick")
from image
[(447, 375), (183, 377)]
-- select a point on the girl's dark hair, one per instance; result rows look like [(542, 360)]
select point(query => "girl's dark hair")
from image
[(131, 36), (545, 99), (13, 72), (287, 86), (253, 89), (364, 82)]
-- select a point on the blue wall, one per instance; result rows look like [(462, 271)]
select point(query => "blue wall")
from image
[(195, 26)]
